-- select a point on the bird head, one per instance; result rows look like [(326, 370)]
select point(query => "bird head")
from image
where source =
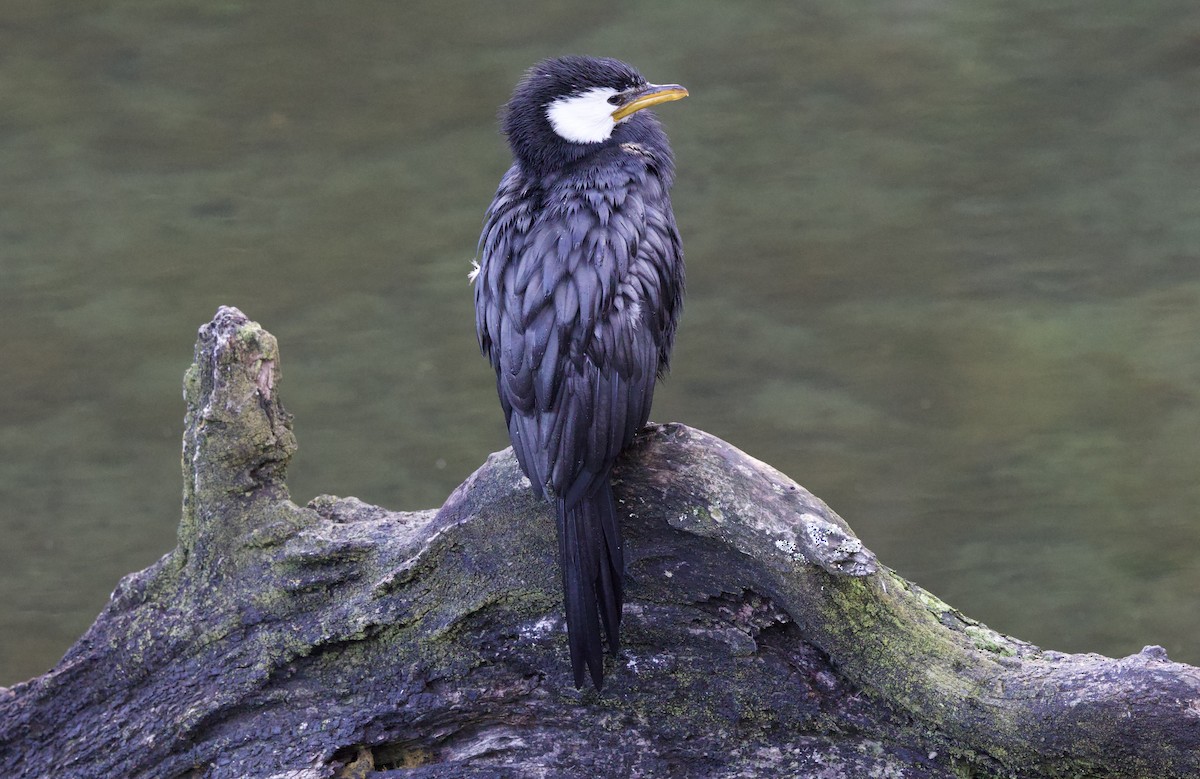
[(564, 108)]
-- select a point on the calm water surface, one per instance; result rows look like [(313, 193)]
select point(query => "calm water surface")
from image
[(944, 270)]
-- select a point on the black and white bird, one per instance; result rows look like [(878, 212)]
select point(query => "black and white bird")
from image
[(577, 295)]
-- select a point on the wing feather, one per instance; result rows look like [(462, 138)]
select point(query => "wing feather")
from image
[(577, 296)]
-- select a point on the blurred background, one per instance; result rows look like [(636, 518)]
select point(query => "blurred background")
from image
[(943, 265)]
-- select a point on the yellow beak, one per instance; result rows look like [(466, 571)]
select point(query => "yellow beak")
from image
[(651, 94)]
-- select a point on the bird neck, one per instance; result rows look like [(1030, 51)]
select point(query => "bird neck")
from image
[(544, 158)]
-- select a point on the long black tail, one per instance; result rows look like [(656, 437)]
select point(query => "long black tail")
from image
[(593, 567)]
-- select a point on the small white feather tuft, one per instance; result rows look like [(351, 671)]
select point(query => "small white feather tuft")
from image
[(583, 118), (474, 271)]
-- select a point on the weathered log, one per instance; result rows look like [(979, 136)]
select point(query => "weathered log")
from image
[(342, 639)]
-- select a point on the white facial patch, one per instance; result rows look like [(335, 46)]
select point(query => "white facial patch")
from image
[(583, 118)]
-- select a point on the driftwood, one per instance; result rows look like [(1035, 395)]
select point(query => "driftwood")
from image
[(761, 637)]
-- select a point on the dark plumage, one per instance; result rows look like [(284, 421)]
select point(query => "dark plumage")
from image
[(577, 295)]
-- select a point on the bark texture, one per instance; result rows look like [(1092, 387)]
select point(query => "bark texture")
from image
[(761, 638)]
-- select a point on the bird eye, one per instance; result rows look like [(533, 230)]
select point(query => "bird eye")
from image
[(614, 99)]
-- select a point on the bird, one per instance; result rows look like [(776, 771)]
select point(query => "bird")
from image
[(578, 288)]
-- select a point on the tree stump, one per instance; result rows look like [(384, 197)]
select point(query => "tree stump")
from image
[(761, 638)]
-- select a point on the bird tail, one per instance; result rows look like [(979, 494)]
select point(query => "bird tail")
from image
[(593, 567)]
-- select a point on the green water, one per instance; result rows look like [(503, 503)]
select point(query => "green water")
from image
[(944, 270)]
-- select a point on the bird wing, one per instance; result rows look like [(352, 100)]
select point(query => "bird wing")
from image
[(576, 300)]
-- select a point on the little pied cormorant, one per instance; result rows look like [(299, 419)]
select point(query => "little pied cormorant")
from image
[(577, 295)]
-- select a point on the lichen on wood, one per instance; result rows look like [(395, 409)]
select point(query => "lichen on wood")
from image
[(762, 638)]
